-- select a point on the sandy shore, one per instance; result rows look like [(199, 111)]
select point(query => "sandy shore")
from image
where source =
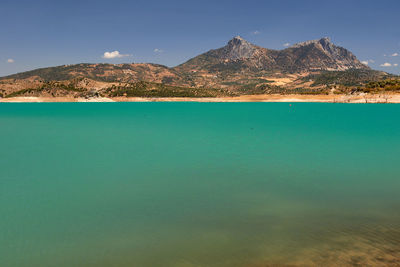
[(393, 98)]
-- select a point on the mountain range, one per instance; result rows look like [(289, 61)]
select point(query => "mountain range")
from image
[(240, 67), (240, 55)]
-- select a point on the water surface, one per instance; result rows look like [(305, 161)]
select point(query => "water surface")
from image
[(199, 184)]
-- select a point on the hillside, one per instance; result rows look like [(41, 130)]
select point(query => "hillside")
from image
[(102, 72)]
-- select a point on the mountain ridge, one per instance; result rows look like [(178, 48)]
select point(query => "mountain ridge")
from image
[(311, 55)]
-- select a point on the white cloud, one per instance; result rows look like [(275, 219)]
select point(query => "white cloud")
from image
[(395, 65), (256, 33), (366, 62), (10, 60), (157, 50), (387, 64), (286, 44), (114, 54), (395, 55)]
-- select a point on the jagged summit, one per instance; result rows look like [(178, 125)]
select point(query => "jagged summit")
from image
[(238, 48), (238, 37), (237, 40), (323, 41)]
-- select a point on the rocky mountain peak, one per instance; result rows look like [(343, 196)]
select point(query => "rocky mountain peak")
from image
[(238, 48), (324, 42), (323, 54), (237, 40)]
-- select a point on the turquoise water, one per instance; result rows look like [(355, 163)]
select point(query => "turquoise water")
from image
[(199, 184)]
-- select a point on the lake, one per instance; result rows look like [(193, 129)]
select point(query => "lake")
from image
[(199, 184)]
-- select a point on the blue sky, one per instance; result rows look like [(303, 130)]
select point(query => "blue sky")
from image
[(45, 33)]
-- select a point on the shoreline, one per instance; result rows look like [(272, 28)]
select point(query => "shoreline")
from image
[(392, 98)]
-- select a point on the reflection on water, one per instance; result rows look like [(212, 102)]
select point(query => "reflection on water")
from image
[(185, 184)]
